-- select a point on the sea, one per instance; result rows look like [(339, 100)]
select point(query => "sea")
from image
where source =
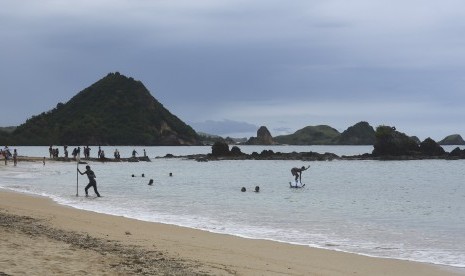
[(409, 210)]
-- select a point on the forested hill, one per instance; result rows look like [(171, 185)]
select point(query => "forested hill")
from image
[(115, 110)]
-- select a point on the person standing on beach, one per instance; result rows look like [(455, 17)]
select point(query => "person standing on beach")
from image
[(6, 154), (298, 173), (92, 182), (15, 157)]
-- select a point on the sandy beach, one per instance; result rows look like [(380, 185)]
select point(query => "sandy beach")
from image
[(40, 237)]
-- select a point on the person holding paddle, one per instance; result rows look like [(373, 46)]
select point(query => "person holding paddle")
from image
[(92, 182), (298, 173)]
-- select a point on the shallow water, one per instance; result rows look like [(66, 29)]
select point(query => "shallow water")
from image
[(412, 210)]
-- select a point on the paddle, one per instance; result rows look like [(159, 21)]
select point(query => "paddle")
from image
[(78, 158)]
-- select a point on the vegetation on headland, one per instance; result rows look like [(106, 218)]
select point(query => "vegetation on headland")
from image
[(115, 110), (313, 135)]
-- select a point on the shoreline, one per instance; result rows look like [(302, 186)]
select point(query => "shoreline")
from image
[(140, 247)]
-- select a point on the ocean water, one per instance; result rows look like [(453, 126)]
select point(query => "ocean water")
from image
[(412, 210)]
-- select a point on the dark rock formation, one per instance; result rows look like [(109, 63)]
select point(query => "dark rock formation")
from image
[(235, 150), (457, 153), (430, 148), (416, 139), (359, 134), (263, 138), (220, 149), (390, 142)]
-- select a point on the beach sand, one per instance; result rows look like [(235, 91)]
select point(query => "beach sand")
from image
[(40, 237)]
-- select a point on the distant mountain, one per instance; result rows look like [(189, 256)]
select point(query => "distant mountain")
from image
[(115, 110), (359, 134), (310, 135), (454, 139)]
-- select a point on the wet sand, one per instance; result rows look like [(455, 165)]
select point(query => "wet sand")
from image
[(40, 237)]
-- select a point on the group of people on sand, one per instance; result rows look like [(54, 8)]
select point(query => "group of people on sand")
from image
[(54, 152), (6, 153)]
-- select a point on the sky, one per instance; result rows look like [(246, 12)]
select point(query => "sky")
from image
[(227, 67)]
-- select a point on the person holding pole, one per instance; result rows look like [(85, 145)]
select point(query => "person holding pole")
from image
[(92, 182)]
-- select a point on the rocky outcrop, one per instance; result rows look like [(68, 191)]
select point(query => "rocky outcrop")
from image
[(359, 134), (263, 138), (430, 148), (391, 143), (388, 141)]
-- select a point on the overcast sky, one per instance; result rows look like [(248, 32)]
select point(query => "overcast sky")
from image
[(228, 67)]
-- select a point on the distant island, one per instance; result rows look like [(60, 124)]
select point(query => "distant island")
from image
[(118, 110), (389, 144)]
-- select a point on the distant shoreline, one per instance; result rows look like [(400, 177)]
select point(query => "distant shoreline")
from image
[(306, 156), (64, 159)]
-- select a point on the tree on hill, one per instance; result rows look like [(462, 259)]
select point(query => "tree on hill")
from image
[(115, 110), (310, 135)]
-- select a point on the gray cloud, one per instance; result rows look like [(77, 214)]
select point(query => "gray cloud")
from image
[(225, 127), (283, 65)]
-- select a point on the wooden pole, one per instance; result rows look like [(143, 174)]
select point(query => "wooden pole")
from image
[(77, 176)]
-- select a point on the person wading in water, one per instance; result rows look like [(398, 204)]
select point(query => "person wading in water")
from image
[(92, 182)]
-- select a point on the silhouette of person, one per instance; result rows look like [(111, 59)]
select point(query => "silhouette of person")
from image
[(15, 157), (298, 173), (92, 182)]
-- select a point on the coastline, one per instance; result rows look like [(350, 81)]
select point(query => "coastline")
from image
[(87, 242)]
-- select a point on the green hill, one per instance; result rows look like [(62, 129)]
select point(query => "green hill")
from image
[(359, 134), (115, 110), (310, 135), (454, 139)]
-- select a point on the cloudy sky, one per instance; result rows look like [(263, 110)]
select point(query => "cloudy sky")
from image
[(230, 66)]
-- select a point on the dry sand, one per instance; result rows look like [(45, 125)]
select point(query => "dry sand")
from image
[(40, 237)]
